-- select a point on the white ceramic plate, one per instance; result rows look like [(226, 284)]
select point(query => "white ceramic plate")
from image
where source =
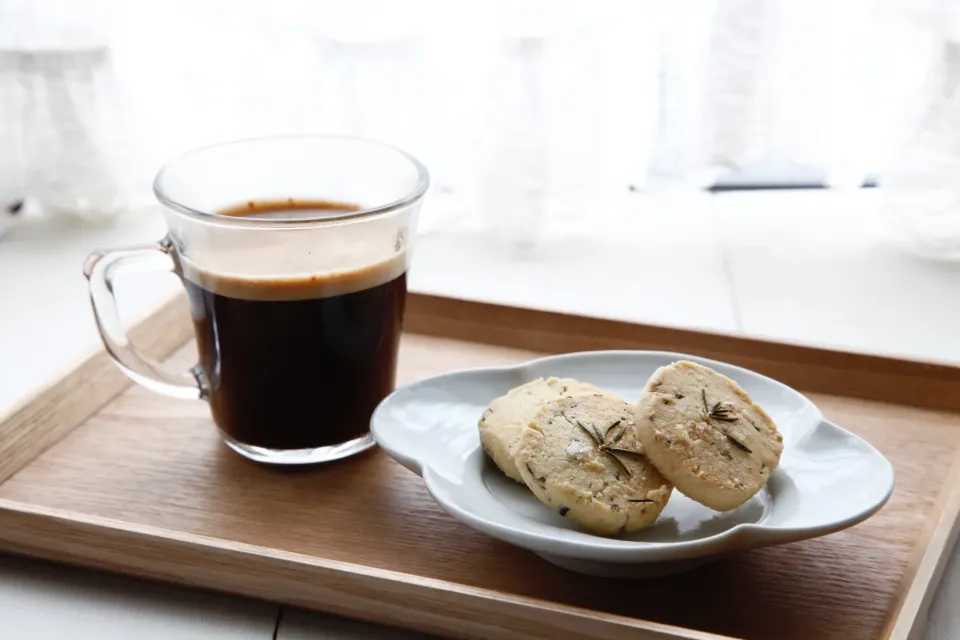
[(828, 478)]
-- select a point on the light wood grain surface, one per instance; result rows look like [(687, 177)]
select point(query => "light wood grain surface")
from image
[(144, 467), (75, 394), (297, 624), (92, 606)]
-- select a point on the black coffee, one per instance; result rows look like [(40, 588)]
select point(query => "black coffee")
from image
[(289, 367)]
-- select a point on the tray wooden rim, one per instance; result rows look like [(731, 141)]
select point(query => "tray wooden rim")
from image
[(106, 535), (71, 538)]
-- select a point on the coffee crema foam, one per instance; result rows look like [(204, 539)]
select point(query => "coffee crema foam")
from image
[(298, 286), (297, 264)]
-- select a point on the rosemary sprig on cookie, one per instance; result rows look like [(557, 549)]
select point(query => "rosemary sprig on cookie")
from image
[(718, 411), (722, 414), (738, 444), (602, 447)]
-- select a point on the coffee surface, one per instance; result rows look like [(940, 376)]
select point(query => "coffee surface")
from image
[(289, 209)]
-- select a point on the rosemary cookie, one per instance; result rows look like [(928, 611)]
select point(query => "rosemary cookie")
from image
[(580, 456), (706, 435), (507, 416)]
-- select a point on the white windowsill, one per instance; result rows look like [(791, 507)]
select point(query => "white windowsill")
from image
[(805, 267)]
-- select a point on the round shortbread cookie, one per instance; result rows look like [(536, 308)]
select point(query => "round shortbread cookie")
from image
[(580, 456), (705, 434), (507, 416)]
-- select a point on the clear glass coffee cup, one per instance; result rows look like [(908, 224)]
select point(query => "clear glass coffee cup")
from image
[(293, 252)]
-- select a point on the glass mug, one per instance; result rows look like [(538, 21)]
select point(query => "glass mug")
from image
[(293, 252)]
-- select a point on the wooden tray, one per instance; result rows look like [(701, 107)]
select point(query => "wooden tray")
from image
[(99, 473)]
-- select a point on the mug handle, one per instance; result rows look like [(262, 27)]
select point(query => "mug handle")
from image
[(101, 268)]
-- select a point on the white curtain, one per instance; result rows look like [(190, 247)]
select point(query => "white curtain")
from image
[(527, 113)]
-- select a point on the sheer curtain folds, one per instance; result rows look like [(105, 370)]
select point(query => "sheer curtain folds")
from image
[(532, 110)]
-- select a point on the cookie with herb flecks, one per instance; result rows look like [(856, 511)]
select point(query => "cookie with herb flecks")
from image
[(580, 456), (507, 416), (706, 435)]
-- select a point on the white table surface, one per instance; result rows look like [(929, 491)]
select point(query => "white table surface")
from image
[(808, 267)]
